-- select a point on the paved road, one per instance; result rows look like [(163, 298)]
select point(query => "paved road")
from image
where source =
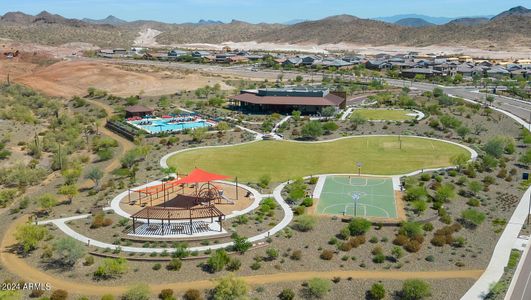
[(522, 286)]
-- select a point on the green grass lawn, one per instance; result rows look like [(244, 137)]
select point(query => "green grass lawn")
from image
[(385, 114), (284, 160)]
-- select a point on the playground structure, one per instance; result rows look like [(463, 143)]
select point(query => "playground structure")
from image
[(183, 205)]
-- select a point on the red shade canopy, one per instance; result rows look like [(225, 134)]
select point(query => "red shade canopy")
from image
[(198, 175)]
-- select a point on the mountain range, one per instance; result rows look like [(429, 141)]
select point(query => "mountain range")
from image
[(507, 29)]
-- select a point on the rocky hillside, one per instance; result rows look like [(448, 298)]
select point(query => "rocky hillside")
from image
[(506, 30)]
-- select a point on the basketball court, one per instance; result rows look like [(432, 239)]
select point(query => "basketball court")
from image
[(358, 196)]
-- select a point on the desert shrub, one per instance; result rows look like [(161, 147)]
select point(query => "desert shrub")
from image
[(234, 264), (307, 202), (411, 229), (473, 202), (472, 217), (286, 294), (192, 294), (400, 240), (157, 266), (412, 246), (344, 233), (438, 240), (415, 289), (137, 292), (318, 287), (59, 295), (326, 255), (255, 265), (357, 241), (459, 242), (107, 297), (296, 255), (427, 227), (166, 294), (230, 287), (378, 258), (299, 210), (430, 258), (304, 223), (377, 292), (272, 253), (217, 261), (359, 226), (111, 268), (346, 246), (89, 260), (174, 265)]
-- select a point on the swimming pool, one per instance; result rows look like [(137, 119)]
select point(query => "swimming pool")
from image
[(159, 125)]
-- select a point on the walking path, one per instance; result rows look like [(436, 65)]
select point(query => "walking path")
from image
[(19, 267), (274, 130), (258, 135), (502, 251)]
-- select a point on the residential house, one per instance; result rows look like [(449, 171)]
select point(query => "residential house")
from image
[(413, 72), (200, 54), (377, 65)]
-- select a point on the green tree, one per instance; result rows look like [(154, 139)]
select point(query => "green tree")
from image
[(415, 289), (312, 130), (95, 175), (462, 131), (29, 235), (241, 244), (223, 126), (217, 261), (199, 134), (69, 251), (70, 191), (318, 287), (230, 287), (264, 181), (47, 201), (357, 119), (296, 115), (328, 112), (359, 226)]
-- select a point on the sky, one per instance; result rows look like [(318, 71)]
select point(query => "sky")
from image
[(180, 11)]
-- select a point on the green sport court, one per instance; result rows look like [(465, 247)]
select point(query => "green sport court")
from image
[(375, 197)]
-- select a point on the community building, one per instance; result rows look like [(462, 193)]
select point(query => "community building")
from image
[(308, 100)]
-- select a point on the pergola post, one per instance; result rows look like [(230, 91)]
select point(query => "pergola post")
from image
[(148, 215), (129, 195), (220, 224), (134, 226), (150, 200), (191, 228), (162, 226), (164, 194)]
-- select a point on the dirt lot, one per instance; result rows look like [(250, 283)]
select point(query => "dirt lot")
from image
[(72, 78)]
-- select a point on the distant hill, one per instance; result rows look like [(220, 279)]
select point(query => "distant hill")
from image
[(506, 30), (515, 11), (429, 19), (208, 22), (294, 21), (413, 22), (469, 21), (110, 20)]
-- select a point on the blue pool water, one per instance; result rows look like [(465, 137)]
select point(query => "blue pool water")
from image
[(164, 125)]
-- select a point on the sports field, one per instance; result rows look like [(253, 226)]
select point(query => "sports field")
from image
[(358, 196), (385, 114), (283, 160)]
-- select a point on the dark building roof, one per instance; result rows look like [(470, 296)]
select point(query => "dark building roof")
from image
[(138, 109), (325, 99)]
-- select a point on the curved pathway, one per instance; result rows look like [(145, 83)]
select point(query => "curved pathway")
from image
[(19, 267)]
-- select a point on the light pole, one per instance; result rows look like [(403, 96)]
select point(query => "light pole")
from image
[(359, 165)]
